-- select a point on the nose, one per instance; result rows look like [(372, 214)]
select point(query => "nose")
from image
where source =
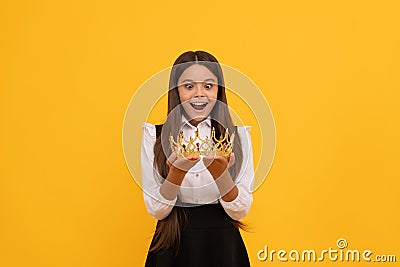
[(199, 90)]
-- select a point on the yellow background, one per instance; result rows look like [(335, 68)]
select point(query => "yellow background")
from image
[(329, 70)]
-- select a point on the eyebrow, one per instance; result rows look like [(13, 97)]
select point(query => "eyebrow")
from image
[(206, 80)]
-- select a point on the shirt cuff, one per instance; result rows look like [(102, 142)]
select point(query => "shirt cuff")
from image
[(234, 204), (160, 198), (238, 208)]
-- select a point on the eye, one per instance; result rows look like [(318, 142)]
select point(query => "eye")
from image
[(188, 86), (208, 86)]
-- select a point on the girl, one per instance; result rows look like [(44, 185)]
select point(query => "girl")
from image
[(198, 201)]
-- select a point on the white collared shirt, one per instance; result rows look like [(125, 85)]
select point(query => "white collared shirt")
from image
[(198, 186)]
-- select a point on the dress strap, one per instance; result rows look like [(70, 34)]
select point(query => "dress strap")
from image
[(158, 129)]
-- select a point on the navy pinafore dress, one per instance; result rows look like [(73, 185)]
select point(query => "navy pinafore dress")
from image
[(208, 239)]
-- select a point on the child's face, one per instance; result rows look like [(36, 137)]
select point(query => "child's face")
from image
[(198, 90)]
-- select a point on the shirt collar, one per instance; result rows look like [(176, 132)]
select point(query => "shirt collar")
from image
[(186, 122)]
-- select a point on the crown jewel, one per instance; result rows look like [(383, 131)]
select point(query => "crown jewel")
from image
[(202, 147)]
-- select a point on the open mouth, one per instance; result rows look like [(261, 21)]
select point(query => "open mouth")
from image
[(200, 106)]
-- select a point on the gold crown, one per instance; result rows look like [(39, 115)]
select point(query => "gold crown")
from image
[(202, 147)]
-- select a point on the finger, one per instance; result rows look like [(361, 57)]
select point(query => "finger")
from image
[(231, 159), (194, 157), (186, 163), (192, 161)]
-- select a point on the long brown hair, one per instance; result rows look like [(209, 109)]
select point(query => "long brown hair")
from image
[(168, 230)]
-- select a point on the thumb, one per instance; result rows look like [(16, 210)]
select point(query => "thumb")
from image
[(231, 159)]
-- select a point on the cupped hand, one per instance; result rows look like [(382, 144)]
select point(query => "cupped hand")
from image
[(217, 165), (182, 164)]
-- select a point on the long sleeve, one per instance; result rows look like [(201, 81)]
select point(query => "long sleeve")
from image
[(238, 208), (157, 206)]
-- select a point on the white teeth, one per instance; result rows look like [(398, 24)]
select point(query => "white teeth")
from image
[(198, 104)]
